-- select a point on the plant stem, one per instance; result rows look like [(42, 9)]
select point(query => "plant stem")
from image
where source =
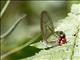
[(73, 48), (21, 47), (4, 8), (12, 27)]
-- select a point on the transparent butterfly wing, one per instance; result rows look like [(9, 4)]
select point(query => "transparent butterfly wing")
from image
[(46, 25)]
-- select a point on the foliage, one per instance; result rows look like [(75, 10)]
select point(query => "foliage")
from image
[(27, 45)]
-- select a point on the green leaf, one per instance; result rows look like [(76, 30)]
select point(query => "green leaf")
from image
[(18, 49)]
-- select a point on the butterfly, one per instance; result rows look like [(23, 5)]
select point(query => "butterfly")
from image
[(47, 30)]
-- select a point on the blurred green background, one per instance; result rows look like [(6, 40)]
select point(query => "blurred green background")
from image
[(29, 27)]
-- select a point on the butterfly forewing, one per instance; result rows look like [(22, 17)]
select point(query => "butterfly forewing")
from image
[(46, 25)]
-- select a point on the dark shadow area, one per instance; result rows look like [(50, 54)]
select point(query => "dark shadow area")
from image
[(24, 53)]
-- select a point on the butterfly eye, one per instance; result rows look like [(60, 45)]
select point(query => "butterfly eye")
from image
[(61, 32)]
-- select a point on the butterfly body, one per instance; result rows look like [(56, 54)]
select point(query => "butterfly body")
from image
[(47, 30), (62, 40)]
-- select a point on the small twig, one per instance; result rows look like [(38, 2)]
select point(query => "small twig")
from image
[(74, 43), (12, 27), (4, 8)]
